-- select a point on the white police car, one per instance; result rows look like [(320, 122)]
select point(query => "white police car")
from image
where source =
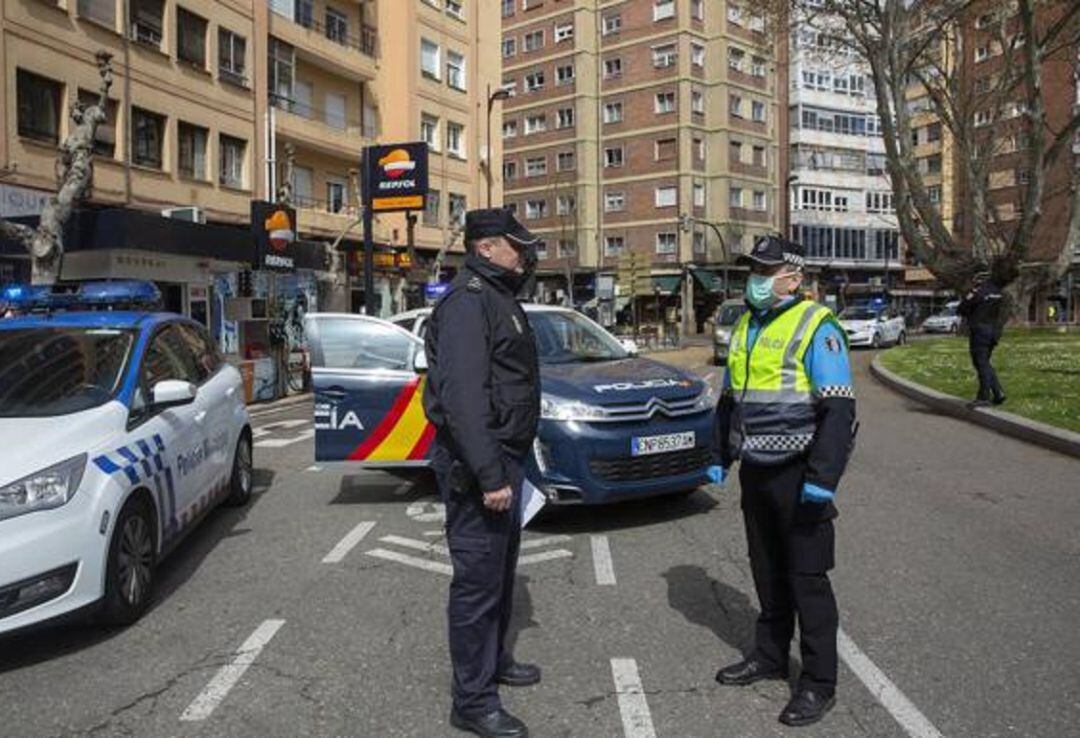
[(122, 428)]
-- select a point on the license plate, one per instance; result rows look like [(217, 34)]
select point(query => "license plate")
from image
[(661, 444)]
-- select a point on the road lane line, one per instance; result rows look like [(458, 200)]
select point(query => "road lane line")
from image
[(433, 533), (314, 468), (540, 542), (888, 694), (559, 553), (436, 566), (602, 564), (634, 708), (416, 545), (230, 674), (282, 442), (349, 542)]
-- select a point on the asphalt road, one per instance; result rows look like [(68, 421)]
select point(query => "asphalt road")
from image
[(958, 580)]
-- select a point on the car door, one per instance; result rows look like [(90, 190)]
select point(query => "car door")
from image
[(217, 397), (368, 396)]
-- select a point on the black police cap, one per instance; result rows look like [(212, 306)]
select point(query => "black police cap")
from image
[(774, 251), (491, 222)]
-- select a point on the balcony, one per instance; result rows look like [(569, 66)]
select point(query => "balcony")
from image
[(337, 49), (329, 132)]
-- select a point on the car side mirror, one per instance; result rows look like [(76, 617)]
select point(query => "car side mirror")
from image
[(173, 393), (420, 364), (630, 345)]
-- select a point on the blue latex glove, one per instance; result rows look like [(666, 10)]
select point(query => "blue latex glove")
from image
[(814, 493), (717, 474)]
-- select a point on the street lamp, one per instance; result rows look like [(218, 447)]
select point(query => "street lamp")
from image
[(502, 93)]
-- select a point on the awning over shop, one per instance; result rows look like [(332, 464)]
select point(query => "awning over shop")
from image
[(668, 284), (709, 279)]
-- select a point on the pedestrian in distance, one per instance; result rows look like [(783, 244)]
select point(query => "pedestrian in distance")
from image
[(982, 308), (787, 411), (483, 396)]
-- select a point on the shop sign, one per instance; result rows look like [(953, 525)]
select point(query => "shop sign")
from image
[(395, 176), (21, 202), (274, 228)]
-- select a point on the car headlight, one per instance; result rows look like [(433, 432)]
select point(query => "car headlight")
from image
[(559, 408), (722, 336), (43, 490), (707, 399)]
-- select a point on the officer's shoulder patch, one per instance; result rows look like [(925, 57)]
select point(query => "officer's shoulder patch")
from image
[(832, 343), (474, 285)]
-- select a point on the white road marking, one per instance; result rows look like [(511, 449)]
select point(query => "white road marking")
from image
[(230, 674), (416, 545), (434, 533), (602, 564), (436, 566), (259, 432), (348, 543), (402, 488), (559, 553), (314, 468), (634, 708), (546, 541), (282, 442), (282, 425), (891, 698), (427, 512)]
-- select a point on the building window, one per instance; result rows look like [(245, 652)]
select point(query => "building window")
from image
[(759, 200), (735, 197), (192, 147), (429, 131), (697, 55), (699, 195), (39, 106), (564, 75), (533, 41), (982, 118), (190, 38), (567, 248), (612, 24), (697, 9), (665, 102), (666, 149), (735, 106), (566, 162), (336, 116), (232, 52), (147, 137), (429, 59), (735, 59), (699, 149), (232, 160), (99, 11), (664, 56), (612, 68), (535, 124), (105, 135), (282, 66), (541, 248), (536, 209), (305, 13), (613, 112), (663, 10), (534, 81), (508, 8), (613, 157), (510, 129), (758, 111), (565, 205), (667, 243), (614, 245), (734, 14), (934, 194), (566, 118), (699, 242), (337, 26), (509, 47), (509, 170), (879, 202), (564, 32), (667, 197), (614, 202), (536, 166), (454, 8), (431, 208), (335, 195), (697, 102), (146, 21), (455, 70), (455, 140), (459, 205), (757, 67), (735, 152)]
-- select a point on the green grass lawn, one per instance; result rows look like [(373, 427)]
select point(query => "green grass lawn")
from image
[(1040, 371)]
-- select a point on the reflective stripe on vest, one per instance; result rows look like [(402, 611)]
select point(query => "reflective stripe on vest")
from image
[(777, 418)]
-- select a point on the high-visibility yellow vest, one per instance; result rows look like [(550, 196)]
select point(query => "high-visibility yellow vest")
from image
[(775, 417)]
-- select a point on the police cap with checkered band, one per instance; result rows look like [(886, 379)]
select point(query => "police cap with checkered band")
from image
[(774, 251)]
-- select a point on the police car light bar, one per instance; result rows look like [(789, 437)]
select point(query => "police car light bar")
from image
[(117, 295)]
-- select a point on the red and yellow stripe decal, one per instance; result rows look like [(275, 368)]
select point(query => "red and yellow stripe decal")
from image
[(403, 434)]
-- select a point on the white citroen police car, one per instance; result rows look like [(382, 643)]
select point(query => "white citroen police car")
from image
[(121, 427)]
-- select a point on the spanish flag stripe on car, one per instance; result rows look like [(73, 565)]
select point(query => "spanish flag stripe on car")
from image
[(420, 450), (401, 432)]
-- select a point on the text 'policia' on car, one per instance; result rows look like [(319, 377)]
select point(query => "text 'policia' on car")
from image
[(131, 429), (613, 426)]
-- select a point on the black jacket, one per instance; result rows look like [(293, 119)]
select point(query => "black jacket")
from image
[(483, 385), (982, 307)]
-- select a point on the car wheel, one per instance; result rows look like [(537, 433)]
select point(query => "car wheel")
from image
[(901, 339), (954, 329), (875, 342), (240, 481), (129, 573)]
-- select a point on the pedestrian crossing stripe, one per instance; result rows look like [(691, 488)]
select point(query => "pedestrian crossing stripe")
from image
[(404, 433)]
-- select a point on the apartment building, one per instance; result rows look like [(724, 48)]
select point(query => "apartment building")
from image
[(841, 198), (628, 114)]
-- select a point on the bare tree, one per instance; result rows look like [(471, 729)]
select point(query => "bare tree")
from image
[(919, 45), (74, 173)]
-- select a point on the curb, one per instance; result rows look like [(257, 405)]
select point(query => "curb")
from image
[(258, 409), (1032, 431)]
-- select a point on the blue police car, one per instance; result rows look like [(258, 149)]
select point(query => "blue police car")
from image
[(122, 428), (614, 426)]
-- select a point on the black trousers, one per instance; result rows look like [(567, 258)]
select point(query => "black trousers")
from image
[(981, 351), (484, 552), (791, 551)]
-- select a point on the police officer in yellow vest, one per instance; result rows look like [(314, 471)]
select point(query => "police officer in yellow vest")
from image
[(788, 413)]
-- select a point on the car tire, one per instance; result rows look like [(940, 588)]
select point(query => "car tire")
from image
[(901, 340), (954, 329), (875, 342), (240, 481), (129, 570)]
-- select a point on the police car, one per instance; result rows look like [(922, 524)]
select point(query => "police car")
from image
[(614, 426), (873, 325), (122, 428)]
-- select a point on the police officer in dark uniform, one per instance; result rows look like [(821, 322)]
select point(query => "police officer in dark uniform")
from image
[(787, 413), (982, 307), (483, 396)]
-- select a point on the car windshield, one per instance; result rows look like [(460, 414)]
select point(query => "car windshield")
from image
[(947, 312), (568, 338), (46, 372), (730, 313), (858, 313)]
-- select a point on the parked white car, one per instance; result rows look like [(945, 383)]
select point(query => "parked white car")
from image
[(947, 321), (873, 326)]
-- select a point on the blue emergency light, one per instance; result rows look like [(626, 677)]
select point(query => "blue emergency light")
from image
[(118, 295), (435, 290)]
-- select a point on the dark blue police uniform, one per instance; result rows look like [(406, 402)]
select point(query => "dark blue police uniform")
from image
[(982, 307), (483, 396)]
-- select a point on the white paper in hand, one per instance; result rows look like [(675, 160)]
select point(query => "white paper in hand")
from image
[(533, 499)]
